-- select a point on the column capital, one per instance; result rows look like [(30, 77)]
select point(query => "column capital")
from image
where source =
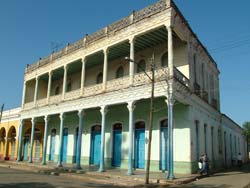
[(131, 105), (81, 112), (33, 120), (50, 73), (62, 116), (106, 50), (170, 100), (66, 67), (46, 118), (104, 110), (37, 78), (169, 27), (131, 39)]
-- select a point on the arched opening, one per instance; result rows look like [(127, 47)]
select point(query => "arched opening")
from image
[(52, 145), (57, 90), (95, 145), (65, 144), (139, 148), (12, 144), (2, 142), (117, 145), (141, 66), (37, 144), (99, 78), (163, 144), (75, 145), (164, 60), (120, 72), (26, 144)]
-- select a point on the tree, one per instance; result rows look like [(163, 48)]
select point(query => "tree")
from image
[(246, 133)]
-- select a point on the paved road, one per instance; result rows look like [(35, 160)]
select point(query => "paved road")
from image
[(237, 178), (12, 178)]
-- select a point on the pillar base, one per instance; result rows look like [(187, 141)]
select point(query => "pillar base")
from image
[(170, 177), (101, 170), (130, 173)]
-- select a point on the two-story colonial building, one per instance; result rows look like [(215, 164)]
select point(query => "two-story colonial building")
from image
[(86, 104)]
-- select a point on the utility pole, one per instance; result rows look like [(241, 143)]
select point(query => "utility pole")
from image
[(151, 115), (1, 112), (152, 79)]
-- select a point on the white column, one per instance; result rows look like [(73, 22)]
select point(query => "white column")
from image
[(64, 81), (170, 52), (62, 116), (131, 63), (105, 68), (79, 141), (46, 120), (36, 88), (49, 86), (32, 139), (20, 130), (24, 93), (131, 108), (83, 75), (103, 112)]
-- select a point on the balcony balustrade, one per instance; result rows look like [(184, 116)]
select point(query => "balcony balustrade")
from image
[(113, 85), (73, 94), (41, 102), (55, 99), (93, 90)]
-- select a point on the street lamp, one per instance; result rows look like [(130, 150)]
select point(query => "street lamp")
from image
[(152, 79)]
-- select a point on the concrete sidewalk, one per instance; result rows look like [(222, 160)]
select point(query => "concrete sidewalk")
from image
[(110, 176)]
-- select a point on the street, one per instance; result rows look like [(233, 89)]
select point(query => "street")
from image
[(236, 178), (13, 178)]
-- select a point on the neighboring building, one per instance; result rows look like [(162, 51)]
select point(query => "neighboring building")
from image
[(8, 134), (89, 83)]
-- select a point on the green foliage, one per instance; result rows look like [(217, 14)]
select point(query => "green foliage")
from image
[(246, 129)]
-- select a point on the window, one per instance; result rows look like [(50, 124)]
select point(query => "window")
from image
[(220, 141), (205, 137), (57, 90), (69, 86), (141, 66), (164, 59), (197, 139), (203, 76), (212, 142), (119, 72), (99, 78), (194, 67)]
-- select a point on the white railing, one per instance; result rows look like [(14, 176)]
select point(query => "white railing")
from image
[(141, 78), (29, 105), (72, 94), (41, 102), (55, 99), (93, 90), (117, 84)]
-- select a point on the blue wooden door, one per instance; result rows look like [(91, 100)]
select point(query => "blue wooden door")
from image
[(65, 144), (163, 148), (76, 152), (95, 145), (117, 142), (52, 145), (25, 148), (139, 148), (37, 148)]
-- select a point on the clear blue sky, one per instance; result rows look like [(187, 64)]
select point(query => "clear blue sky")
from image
[(28, 30)]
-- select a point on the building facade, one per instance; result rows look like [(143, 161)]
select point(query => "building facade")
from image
[(86, 104), (8, 134)]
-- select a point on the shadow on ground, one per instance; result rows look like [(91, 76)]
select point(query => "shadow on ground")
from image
[(24, 185)]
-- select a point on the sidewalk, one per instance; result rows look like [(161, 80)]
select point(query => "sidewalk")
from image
[(110, 176)]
